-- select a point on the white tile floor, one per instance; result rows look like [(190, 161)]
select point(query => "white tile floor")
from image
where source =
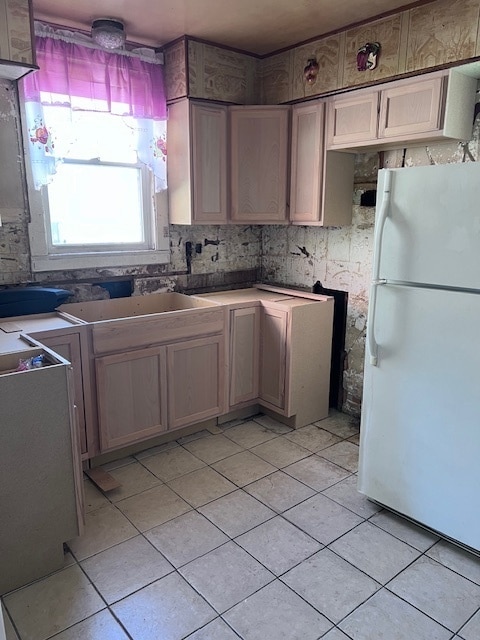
[(256, 532)]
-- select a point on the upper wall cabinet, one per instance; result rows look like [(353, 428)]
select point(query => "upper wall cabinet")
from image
[(321, 181), (250, 185), (259, 148), (197, 163), (430, 107), (17, 56)]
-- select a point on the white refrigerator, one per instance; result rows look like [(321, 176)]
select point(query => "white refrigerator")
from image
[(420, 427)]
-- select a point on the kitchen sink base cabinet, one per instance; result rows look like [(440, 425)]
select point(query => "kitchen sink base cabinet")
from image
[(132, 398), (40, 492), (195, 380)]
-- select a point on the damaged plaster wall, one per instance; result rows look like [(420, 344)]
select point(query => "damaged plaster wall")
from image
[(341, 258), (14, 246), (230, 256)]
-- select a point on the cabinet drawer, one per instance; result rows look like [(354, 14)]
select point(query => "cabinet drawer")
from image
[(132, 333)]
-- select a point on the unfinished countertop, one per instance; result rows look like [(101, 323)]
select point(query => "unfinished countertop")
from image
[(14, 331)]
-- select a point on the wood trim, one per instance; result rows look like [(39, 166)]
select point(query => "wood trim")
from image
[(225, 47), (76, 457), (104, 480), (352, 25)]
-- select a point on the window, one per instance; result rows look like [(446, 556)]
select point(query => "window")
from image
[(97, 161)]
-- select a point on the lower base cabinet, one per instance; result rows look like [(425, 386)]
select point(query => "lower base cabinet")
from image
[(143, 393), (280, 348), (131, 396), (273, 356), (68, 346), (41, 491), (244, 355), (195, 380)]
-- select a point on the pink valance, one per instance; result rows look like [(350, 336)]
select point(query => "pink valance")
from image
[(89, 79)]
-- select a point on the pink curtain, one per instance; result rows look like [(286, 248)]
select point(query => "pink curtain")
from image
[(76, 79), (95, 80)]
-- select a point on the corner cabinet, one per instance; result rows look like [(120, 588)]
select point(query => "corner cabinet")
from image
[(321, 183), (244, 355), (273, 356), (258, 164), (280, 347), (431, 107), (197, 163), (17, 54), (296, 341)]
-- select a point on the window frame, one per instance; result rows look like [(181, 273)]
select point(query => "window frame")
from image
[(148, 223), (47, 258)]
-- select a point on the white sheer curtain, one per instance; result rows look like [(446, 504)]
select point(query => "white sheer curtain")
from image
[(75, 79)]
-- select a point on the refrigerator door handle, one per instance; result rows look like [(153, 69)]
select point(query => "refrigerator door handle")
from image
[(372, 345), (380, 223)]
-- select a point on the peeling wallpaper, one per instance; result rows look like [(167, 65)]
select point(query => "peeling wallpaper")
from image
[(15, 39), (241, 255), (340, 258), (421, 38)]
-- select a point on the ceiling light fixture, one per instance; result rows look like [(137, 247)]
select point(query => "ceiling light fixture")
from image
[(108, 33)]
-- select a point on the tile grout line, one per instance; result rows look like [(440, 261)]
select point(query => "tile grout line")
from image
[(276, 513), (382, 586)]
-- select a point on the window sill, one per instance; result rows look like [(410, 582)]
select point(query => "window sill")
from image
[(64, 262)]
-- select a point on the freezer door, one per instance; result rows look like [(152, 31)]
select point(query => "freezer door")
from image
[(420, 430), (432, 230)]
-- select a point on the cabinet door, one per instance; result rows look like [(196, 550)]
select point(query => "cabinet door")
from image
[(195, 380), (131, 396), (259, 144), (68, 346), (273, 356), (244, 354), (411, 108), (352, 119), (307, 169), (209, 163)]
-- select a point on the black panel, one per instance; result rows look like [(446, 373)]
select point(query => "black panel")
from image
[(338, 341)]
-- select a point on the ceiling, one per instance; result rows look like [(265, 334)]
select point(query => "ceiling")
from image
[(257, 26)]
